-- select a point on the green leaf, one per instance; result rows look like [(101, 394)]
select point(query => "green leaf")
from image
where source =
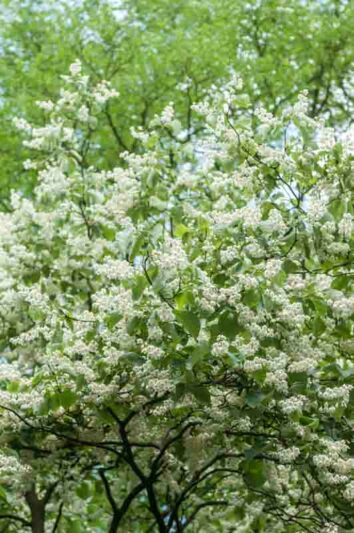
[(180, 390), (320, 305), (251, 298), (108, 233), (83, 490), (190, 322), (309, 421), (340, 282), (228, 325), (199, 352), (67, 398), (351, 398), (3, 494), (254, 398), (298, 382), (251, 453), (90, 335), (74, 526), (133, 325), (140, 283), (289, 266), (243, 101), (318, 326), (13, 386), (183, 299), (343, 329), (36, 314), (137, 247), (181, 230), (337, 208), (254, 472), (201, 393), (112, 320)]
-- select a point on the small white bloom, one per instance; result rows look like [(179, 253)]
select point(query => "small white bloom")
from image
[(75, 68)]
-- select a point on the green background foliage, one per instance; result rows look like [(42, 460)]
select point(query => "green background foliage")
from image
[(154, 52), (148, 48)]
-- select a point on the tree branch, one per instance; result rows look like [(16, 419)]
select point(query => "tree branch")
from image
[(16, 518)]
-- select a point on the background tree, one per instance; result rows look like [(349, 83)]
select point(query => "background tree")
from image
[(151, 50), (176, 279)]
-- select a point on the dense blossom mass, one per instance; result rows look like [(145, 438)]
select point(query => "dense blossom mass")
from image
[(177, 331)]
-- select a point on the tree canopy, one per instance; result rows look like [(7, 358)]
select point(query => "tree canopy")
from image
[(176, 267)]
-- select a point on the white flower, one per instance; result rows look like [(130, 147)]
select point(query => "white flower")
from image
[(346, 225), (22, 124), (349, 491), (294, 404), (114, 269), (75, 68), (172, 256), (272, 268), (274, 222), (29, 164), (12, 471), (220, 347), (344, 307), (45, 105), (288, 455), (83, 113), (317, 206), (103, 92), (228, 255), (167, 115), (340, 394)]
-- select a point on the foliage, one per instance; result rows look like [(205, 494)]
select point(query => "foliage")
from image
[(176, 268)]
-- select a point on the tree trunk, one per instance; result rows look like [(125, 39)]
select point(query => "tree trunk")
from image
[(113, 528), (37, 509)]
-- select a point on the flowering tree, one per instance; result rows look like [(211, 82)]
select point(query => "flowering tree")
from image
[(176, 331)]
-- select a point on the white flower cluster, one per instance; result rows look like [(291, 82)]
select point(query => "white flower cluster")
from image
[(9, 372), (317, 207), (272, 268), (294, 404), (346, 226), (153, 352), (115, 269), (249, 349), (103, 92), (172, 256), (339, 395), (255, 364), (349, 491), (220, 346), (277, 374), (12, 470), (330, 528), (46, 105), (49, 136), (115, 300), (75, 68), (343, 307), (288, 455), (293, 314), (229, 254), (167, 115), (335, 469)]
